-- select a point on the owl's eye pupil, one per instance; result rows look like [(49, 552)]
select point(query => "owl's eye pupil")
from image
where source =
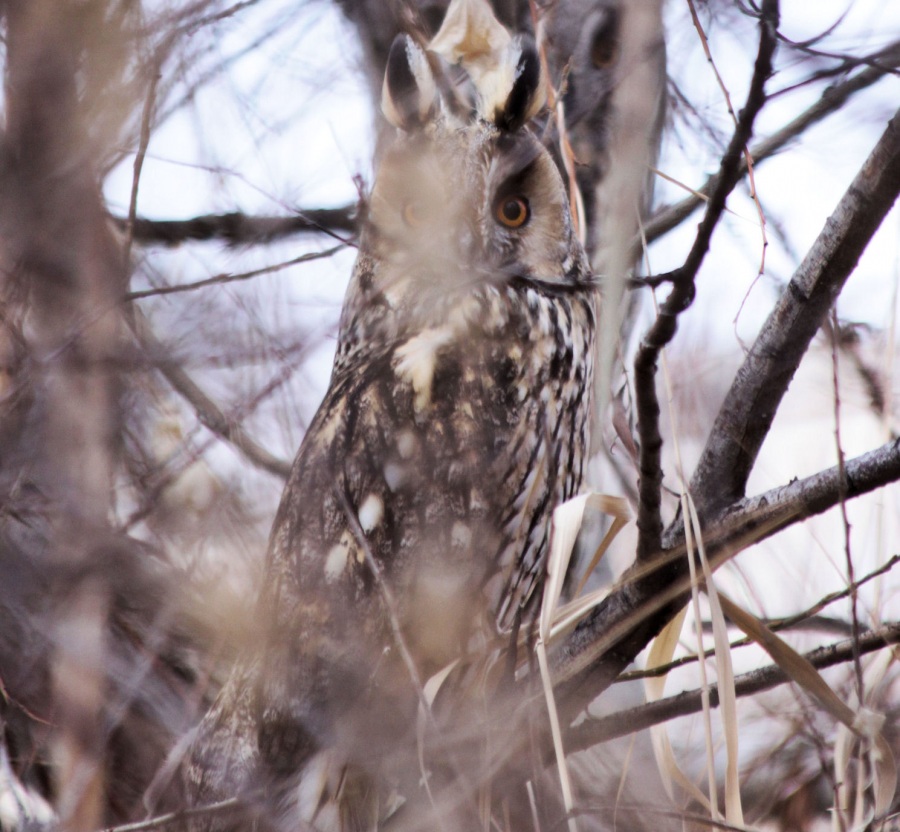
[(513, 212), (605, 43)]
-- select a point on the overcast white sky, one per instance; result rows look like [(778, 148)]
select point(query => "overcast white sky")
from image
[(289, 126)]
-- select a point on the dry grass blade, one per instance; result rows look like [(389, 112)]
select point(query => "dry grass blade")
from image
[(852, 790), (661, 652), (568, 615), (697, 194), (567, 519), (734, 812), (564, 779), (689, 529), (885, 785), (566, 525), (864, 724), (423, 717), (849, 788), (618, 509), (790, 661)]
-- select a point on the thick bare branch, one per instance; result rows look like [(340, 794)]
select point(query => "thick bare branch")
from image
[(612, 636), (749, 408), (812, 495)]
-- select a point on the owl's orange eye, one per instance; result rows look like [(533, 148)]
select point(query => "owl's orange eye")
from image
[(415, 213), (512, 211)]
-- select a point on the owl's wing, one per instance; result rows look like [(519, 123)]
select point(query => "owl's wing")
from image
[(391, 493)]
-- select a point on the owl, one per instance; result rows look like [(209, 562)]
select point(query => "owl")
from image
[(413, 531)]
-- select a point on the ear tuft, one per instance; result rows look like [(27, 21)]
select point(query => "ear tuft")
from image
[(409, 93), (528, 93)]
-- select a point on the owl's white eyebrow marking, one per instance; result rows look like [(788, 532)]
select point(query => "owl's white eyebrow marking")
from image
[(371, 512), (415, 361)]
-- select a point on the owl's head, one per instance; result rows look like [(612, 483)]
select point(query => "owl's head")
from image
[(465, 192)]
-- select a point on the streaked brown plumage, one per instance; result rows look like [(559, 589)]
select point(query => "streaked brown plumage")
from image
[(413, 530)]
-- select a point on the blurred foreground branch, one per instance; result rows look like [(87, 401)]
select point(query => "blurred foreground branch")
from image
[(208, 412)]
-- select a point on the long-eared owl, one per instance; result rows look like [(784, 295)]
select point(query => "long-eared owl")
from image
[(414, 528)]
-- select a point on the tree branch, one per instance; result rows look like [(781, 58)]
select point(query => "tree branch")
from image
[(833, 98), (806, 619), (219, 279), (208, 412), (622, 723), (610, 638), (749, 408), (240, 229), (649, 521), (619, 628), (232, 805), (817, 493)]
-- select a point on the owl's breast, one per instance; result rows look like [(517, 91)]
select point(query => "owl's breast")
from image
[(500, 395), (440, 457)]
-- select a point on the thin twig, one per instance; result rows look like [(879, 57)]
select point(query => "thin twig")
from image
[(143, 143), (842, 490), (845, 63), (749, 408), (748, 157), (649, 521), (619, 724), (208, 412), (174, 817), (832, 99), (774, 624), (220, 279)]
